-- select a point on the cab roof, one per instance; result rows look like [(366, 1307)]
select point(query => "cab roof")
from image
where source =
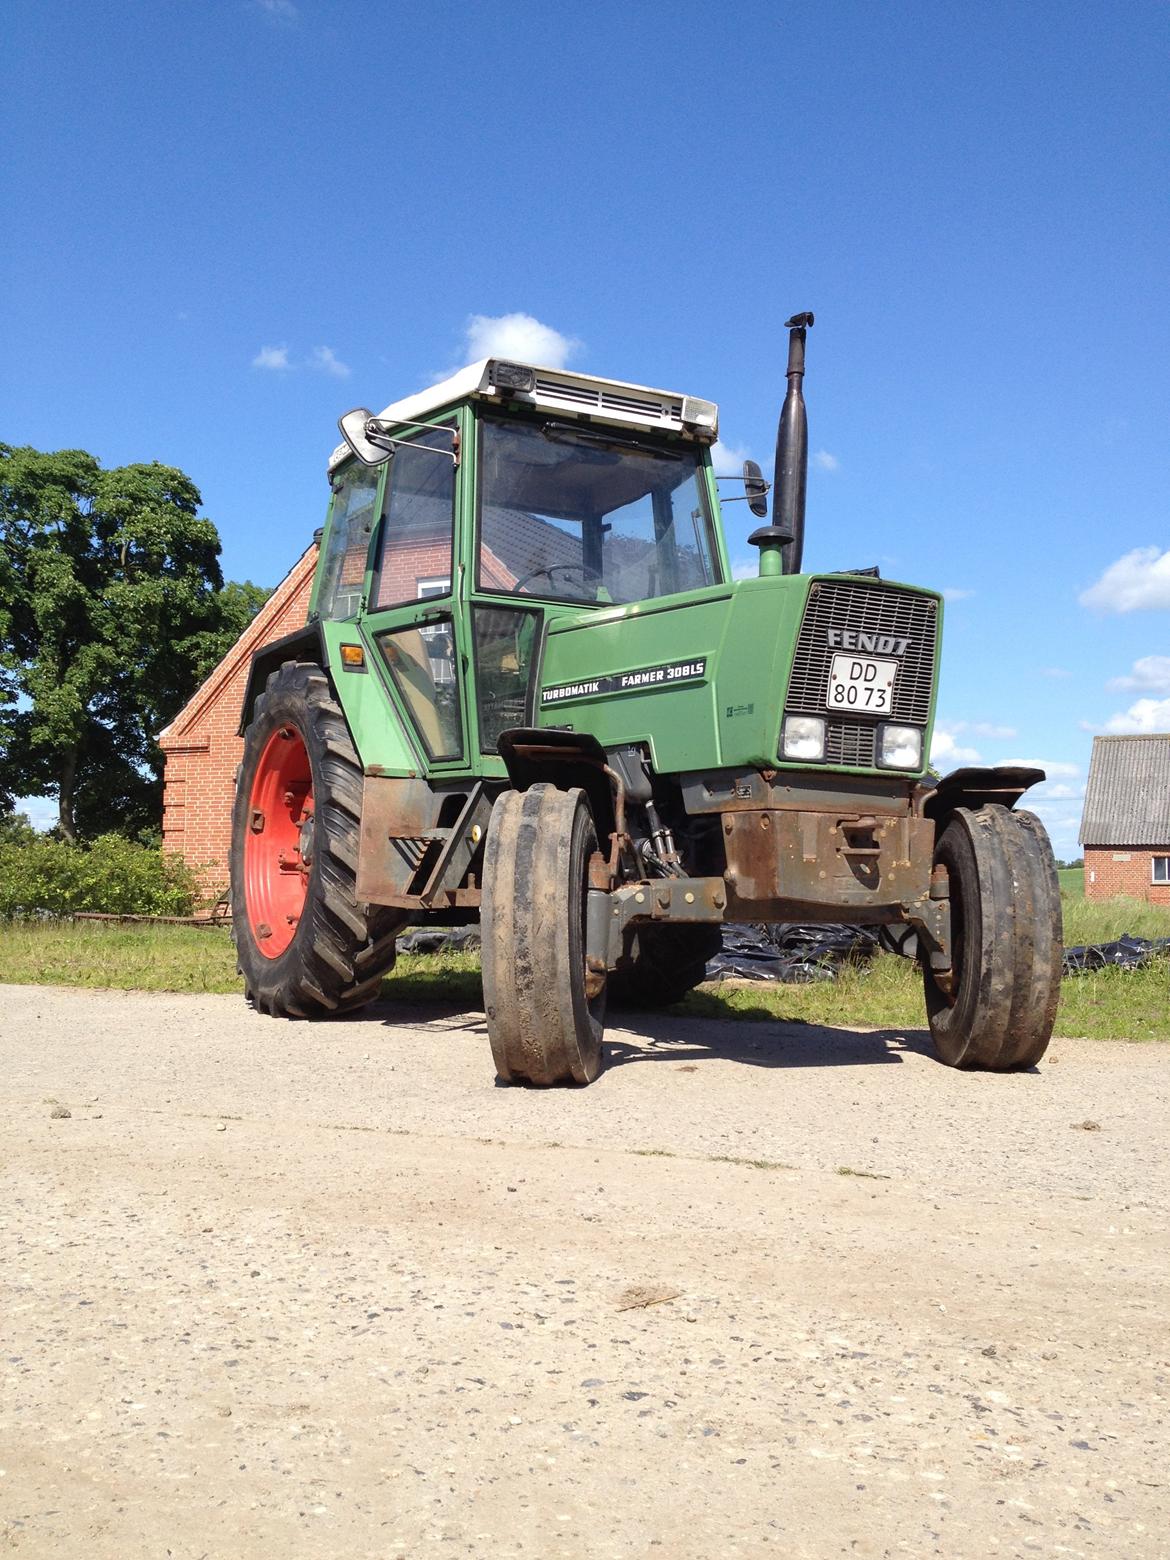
[(556, 390)]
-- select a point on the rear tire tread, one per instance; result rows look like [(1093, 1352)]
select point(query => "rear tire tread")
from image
[(343, 947)]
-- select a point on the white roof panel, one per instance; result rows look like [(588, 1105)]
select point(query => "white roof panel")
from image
[(603, 400)]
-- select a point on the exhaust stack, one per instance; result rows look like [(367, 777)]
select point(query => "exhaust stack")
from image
[(781, 544)]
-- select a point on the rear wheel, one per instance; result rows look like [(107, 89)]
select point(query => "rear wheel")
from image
[(663, 963), (545, 1012), (306, 946), (1005, 941)]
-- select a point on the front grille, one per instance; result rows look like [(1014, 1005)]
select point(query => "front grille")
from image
[(870, 609)]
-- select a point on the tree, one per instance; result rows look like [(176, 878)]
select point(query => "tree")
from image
[(112, 610)]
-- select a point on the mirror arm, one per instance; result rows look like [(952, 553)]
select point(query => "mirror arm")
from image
[(744, 498), (376, 433)]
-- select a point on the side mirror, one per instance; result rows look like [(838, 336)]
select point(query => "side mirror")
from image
[(355, 430), (754, 487)]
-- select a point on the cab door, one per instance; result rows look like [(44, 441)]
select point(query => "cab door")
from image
[(411, 618)]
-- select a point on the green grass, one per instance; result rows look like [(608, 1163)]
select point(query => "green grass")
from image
[(1072, 880), (1105, 920), (183, 958), (887, 994)]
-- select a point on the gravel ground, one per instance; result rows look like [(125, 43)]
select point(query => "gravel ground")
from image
[(276, 1289)]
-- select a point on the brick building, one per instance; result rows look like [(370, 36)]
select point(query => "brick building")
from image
[(201, 745), (1125, 828)]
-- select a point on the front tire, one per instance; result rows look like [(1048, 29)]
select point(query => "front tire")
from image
[(306, 946), (545, 1013), (1006, 941)]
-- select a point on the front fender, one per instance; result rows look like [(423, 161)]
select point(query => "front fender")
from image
[(978, 787)]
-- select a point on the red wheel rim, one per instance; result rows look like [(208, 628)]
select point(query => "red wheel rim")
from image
[(279, 827)]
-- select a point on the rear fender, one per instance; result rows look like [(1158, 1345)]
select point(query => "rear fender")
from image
[(305, 644)]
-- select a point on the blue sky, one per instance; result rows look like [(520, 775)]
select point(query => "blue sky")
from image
[(227, 222)]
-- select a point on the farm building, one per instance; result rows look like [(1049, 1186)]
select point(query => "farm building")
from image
[(1125, 828), (201, 745)]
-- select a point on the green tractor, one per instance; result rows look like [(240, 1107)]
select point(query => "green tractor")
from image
[(530, 691)]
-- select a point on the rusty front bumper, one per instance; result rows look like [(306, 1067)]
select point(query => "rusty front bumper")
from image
[(784, 865)]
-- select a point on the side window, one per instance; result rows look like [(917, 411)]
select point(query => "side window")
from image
[(351, 522), (505, 656), (415, 552), (422, 664), (1161, 869)]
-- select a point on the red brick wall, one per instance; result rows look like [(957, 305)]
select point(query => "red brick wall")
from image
[(1106, 876), (202, 748)]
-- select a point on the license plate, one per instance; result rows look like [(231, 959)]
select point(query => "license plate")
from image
[(862, 683)]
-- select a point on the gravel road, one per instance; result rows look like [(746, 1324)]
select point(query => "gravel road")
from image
[(272, 1289)]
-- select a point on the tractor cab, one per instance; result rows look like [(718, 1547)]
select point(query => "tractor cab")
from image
[(463, 517)]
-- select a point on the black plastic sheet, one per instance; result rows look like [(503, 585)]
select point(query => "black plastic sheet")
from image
[(790, 953), (438, 939), (1127, 953), (797, 953)]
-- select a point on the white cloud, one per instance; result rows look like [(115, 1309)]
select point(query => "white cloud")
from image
[(1064, 793), (823, 461), (518, 336), (945, 750), (955, 593), (745, 569), (1052, 767), (1138, 581), (271, 357), (728, 459), (1149, 671), (1055, 671), (1144, 715), (282, 12), (980, 728), (326, 361)]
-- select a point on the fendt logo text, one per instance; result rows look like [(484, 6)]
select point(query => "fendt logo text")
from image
[(877, 644)]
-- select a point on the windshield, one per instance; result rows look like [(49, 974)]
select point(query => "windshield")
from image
[(583, 514)]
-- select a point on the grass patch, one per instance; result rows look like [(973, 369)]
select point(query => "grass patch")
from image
[(127, 958), (1072, 880), (1105, 920), (184, 958), (1107, 1004)]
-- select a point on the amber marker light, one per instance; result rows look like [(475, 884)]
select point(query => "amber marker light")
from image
[(353, 655)]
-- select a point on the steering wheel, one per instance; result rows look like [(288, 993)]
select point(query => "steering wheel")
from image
[(550, 570)]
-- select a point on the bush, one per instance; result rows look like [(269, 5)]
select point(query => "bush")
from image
[(115, 875)]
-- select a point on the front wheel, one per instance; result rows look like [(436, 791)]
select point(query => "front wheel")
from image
[(1006, 950), (545, 1010), (306, 946)]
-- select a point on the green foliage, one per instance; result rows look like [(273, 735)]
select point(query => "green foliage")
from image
[(112, 610), (113, 874), (15, 828)]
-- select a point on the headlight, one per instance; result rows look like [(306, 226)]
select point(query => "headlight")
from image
[(900, 747), (803, 737)]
